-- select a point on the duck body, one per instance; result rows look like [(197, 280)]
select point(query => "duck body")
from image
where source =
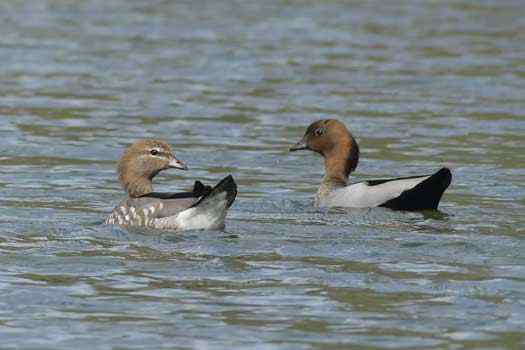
[(203, 208), (178, 211), (340, 151), (408, 193)]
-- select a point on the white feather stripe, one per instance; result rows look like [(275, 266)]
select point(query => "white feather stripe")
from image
[(152, 210)]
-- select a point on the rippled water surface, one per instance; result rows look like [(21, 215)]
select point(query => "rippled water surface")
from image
[(231, 85)]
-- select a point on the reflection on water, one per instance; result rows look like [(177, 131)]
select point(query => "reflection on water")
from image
[(231, 85)]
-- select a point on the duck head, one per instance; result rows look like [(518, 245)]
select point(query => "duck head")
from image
[(142, 161), (331, 139)]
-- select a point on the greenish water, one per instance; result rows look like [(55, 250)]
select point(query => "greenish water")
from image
[(231, 85)]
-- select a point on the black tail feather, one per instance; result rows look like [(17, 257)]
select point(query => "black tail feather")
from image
[(227, 185), (199, 189), (425, 195)]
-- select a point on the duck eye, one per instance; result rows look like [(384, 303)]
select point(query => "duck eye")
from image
[(154, 152), (319, 132)]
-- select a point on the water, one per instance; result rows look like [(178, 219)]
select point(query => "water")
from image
[(231, 85)]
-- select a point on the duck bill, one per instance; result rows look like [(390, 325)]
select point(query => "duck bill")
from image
[(301, 145), (177, 164)]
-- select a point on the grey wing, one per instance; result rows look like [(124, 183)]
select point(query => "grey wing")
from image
[(171, 207)]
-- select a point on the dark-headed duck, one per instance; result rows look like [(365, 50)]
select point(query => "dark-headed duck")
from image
[(331, 139), (203, 208)]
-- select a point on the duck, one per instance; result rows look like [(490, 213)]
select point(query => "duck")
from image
[(202, 208), (333, 141)]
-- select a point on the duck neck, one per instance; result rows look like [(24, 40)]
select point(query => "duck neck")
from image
[(339, 162), (139, 188), (335, 172), (136, 186)]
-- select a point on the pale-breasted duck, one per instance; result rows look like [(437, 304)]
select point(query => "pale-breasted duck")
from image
[(335, 143), (203, 208)]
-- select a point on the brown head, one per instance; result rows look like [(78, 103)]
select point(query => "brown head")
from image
[(331, 139), (142, 161)]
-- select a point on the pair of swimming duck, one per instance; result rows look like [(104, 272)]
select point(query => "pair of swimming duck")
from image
[(205, 207)]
